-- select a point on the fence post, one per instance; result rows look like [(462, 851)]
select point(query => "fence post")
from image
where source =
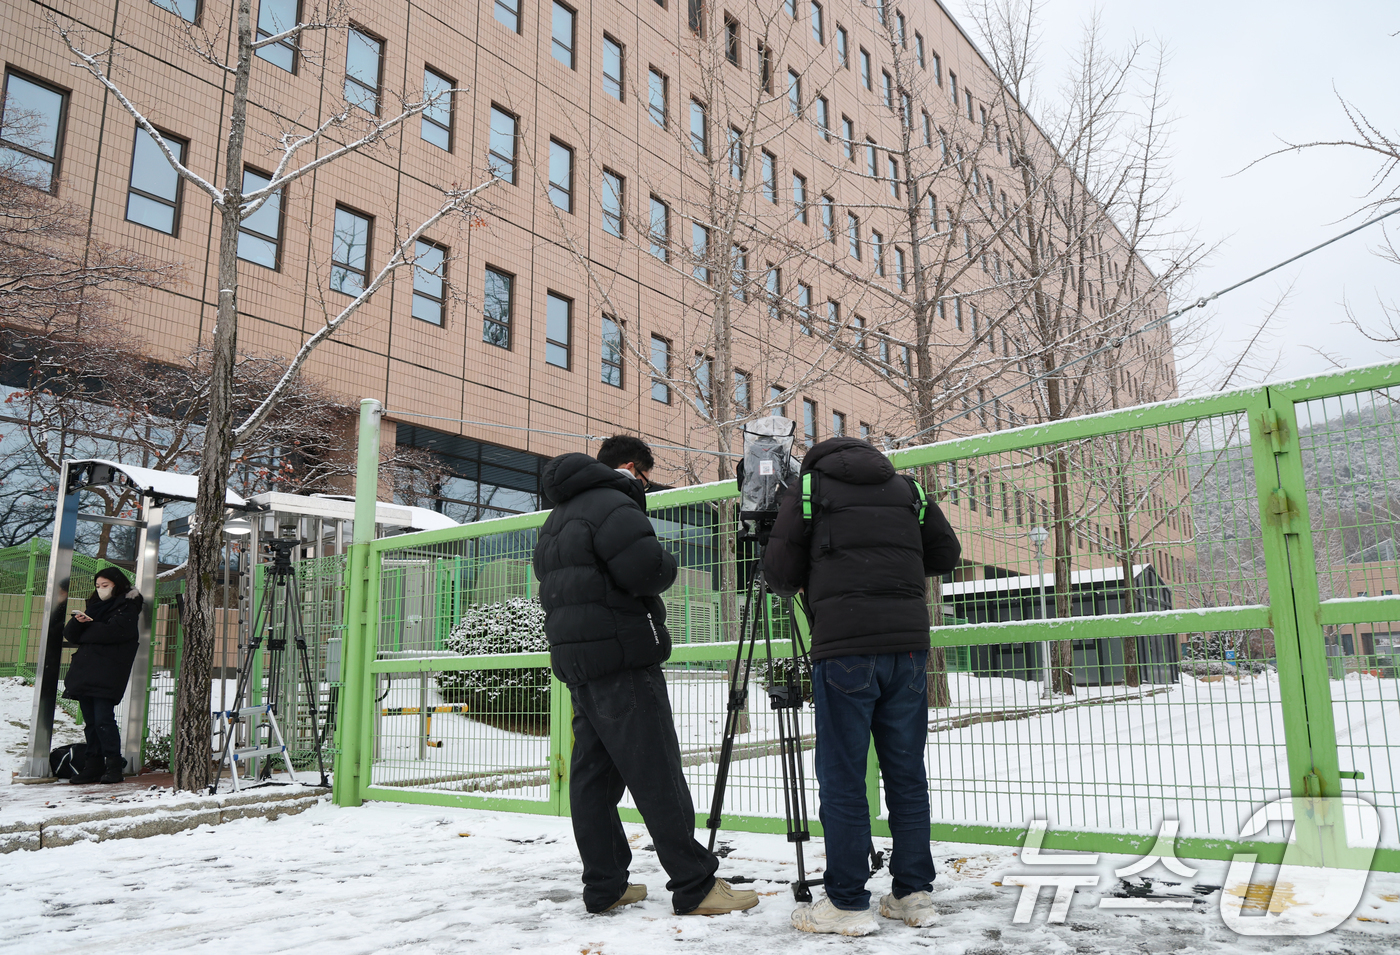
[(1309, 728), (561, 744), (360, 629)]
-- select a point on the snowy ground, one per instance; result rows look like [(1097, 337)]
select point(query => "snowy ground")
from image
[(411, 880)]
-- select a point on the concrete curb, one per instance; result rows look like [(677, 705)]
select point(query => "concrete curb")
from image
[(154, 819)]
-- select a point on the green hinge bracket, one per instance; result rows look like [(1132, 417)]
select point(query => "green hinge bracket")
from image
[(1281, 510), (1272, 426)]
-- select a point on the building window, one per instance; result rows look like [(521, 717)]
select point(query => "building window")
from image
[(877, 252), (919, 49), (260, 235), (557, 315), (982, 112), (660, 229), (437, 118), (967, 95), (894, 178), (660, 370), (695, 11), (794, 93), (731, 39), (887, 85), (866, 72), (938, 69), (153, 198), (765, 67), (611, 353), (429, 281), (872, 159), (656, 96), (953, 87), (770, 177), (699, 128), (614, 191), (700, 249), (858, 326), (508, 14), (829, 218), (500, 161), (498, 300), (561, 175), (613, 69), (899, 29), (562, 34), (833, 318), (843, 47), (31, 130), (884, 356), (900, 271), (736, 153), (818, 28), (350, 252), (739, 278), (848, 138), (804, 305), (743, 400), (809, 422), (823, 117), (864, 431), (187, 10), (703, 372), (773, 288), (775, 400), (838, 424), (274, 17), (363, 60), (799, 197), (853, 233)]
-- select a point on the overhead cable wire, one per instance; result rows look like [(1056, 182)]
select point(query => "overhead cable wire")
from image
[(1118, 341)]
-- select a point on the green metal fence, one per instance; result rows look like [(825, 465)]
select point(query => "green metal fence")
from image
[(1176, 611)]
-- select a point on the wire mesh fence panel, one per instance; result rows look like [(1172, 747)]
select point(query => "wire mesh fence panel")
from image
[(1350, 446), (1121, 716)]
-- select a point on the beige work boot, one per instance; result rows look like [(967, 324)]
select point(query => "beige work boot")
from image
[(723, 899), (915, 909), (634, 894)]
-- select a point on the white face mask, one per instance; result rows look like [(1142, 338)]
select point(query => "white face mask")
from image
[(104, 590)]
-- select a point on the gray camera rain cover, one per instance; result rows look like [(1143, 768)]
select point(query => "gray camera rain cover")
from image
[(768, 466)]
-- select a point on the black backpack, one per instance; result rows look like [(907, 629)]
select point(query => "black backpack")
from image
[(67, 761)]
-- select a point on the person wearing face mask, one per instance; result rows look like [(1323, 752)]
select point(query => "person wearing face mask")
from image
[(602, 571), (105, 632)]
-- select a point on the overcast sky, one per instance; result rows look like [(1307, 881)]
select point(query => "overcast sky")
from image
[(1242, 75)]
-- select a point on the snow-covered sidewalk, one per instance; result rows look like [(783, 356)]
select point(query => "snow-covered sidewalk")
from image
[(410, 880)]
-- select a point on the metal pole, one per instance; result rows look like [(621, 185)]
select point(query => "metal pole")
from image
[(65, 531), (138, 684), (359, 631)]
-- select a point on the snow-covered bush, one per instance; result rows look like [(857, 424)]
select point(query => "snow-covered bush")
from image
[(517, 698), (1209, 653)]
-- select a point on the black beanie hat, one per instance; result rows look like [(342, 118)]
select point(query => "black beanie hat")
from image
[(120, 583)]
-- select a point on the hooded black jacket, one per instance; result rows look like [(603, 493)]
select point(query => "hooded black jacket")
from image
[(601, 571), (865, 563), (106, 647)]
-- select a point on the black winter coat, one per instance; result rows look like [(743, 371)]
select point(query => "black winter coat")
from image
[(865, 563), (106, 647), (601, 571)]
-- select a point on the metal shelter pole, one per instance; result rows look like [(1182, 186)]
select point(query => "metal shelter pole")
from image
[(65, 531), (138, 686)]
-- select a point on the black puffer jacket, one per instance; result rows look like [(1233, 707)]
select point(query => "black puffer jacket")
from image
[(601, 571), (865, 562), (106, 647)]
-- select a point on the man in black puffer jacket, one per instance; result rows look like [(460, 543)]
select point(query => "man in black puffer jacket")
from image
[(106, 634), (602, 571), (863, 558)]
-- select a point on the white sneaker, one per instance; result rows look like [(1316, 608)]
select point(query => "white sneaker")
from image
[(824, 918), (915, 909)]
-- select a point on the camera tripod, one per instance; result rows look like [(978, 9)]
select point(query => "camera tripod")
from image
[(784, 687), (280, 577)]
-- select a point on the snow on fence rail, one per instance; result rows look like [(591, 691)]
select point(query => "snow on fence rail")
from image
[(1174, 611)]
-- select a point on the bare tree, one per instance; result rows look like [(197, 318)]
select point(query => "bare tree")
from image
[(102, 393), (351, 125)]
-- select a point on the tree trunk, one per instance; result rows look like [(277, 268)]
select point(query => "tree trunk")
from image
[(191, 739)]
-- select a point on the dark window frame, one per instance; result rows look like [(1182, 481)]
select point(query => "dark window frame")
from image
[(440, 300), (60, 125), (369, 248), (505, 325), (377, 90), (175, 204), (551, 296), (281, 221), (427, 116)]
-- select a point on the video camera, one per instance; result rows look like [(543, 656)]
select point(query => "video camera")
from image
[(766, 471)]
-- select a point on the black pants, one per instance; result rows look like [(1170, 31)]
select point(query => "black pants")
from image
[(100, 727), (625, 738)]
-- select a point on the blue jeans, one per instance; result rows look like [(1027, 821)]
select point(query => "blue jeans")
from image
[(882, 695)]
